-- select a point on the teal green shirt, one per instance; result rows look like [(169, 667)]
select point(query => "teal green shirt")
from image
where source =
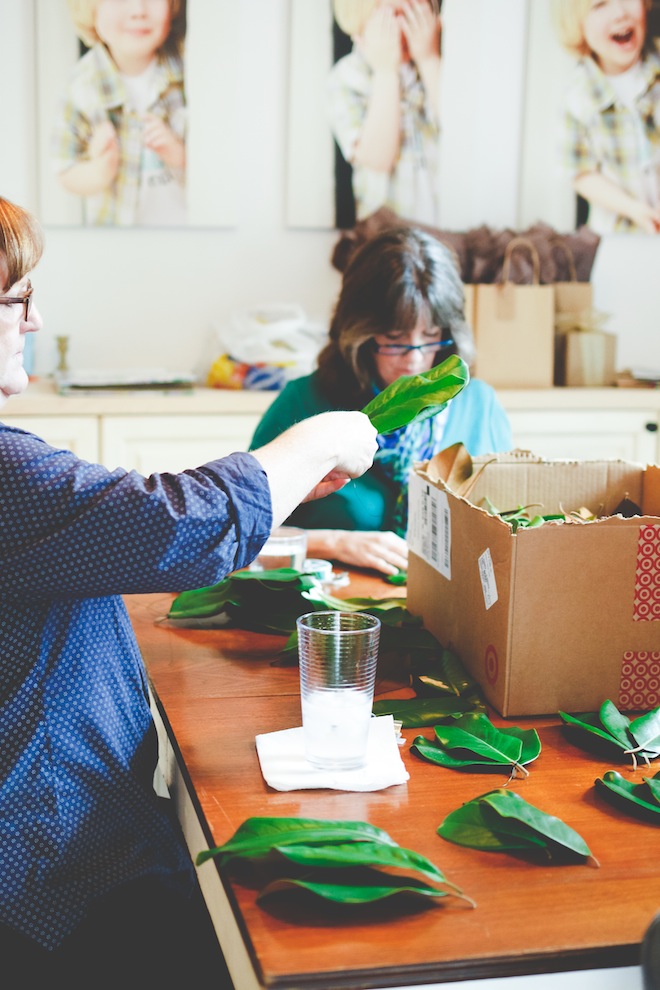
[(475, 418)]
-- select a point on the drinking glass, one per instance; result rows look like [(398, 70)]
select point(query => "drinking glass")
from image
[(338, 653)]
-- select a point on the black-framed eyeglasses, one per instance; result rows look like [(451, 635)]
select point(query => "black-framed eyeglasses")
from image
[(398, 350), (24, 301)]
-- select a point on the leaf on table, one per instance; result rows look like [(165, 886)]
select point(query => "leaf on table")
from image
[(258, 836), (357, 894), (416, 397), (472, 740), (609, 726), (418, 712), (502, 820), (362, 854), (641, 800), (348, 850)]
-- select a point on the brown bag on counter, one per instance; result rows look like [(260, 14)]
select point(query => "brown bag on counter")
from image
[(585, 355), (514, 327)]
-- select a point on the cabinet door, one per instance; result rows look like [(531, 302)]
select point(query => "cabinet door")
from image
[(575, 434), (77, 433), (172, 443)]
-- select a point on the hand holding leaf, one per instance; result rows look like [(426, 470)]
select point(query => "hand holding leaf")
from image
[(416, 397)]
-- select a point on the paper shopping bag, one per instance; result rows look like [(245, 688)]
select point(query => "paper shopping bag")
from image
[(514, 327), (571, 296)]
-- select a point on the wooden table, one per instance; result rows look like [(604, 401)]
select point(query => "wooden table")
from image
[(215, 690)]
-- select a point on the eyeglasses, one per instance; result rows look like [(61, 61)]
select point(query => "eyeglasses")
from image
[(398, 350), (24, 301)]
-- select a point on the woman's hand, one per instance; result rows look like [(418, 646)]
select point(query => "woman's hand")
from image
[(378, 551)]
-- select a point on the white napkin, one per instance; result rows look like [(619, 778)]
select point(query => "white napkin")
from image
[(283, 764)]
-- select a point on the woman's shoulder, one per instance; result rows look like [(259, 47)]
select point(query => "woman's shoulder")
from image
[(299, 399)]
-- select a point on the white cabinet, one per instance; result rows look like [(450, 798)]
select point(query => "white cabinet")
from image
[(586, 424), (587, 435), (173, 443), (77, 433)]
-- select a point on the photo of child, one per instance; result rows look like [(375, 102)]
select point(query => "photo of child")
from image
[(611, 142), (382, 104), (119, 140)]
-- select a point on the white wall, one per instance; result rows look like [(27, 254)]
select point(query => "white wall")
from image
[(137, 298)]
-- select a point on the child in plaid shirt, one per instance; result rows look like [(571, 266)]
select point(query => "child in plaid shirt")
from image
[(120, 139), (612, 114), (383, 104)]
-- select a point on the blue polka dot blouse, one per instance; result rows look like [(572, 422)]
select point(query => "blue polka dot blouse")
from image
[(78, 813)]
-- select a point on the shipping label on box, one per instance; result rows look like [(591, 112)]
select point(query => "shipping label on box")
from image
[(561, 616)]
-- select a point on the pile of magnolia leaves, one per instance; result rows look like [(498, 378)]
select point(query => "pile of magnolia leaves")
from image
[(471, 741), (333, 860), (501, 821), (611, 731), (271, 601)]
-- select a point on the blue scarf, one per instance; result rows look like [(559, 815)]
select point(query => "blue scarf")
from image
[(397, 451)]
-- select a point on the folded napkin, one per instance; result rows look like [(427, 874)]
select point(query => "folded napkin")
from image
[(283, 763)]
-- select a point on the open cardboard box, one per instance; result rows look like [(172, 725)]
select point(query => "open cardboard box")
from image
[(562, 616)]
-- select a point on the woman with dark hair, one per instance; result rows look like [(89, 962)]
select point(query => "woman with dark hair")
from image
[(399, 312)]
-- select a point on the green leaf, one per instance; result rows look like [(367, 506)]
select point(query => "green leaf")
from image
[(416, 397), (501, 820), (641, 800), (258, 836), (645, 730), (355, 894), (475, 733), (470, 825), (616, 723), (507, 804), (614, 728), (362, 854), (435, 754), (589, 723), (417, 712), (473, 740)]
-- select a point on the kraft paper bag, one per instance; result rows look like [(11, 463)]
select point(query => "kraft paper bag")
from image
[(514, 327), (571, 296)]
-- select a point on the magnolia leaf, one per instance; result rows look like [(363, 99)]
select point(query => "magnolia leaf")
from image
[(653, 784), (258, 836), (470, 825), (642, 800), (615, 729), (453, 465), (362, 854), (416, 397), (435, 754), (645, 730), (616, 723), (417, 712), (509, 805), (474, 741), (476, 733), (354, 893), (447, 675), (501, 820)]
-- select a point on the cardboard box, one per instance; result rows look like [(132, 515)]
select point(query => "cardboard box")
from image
[(562, 616), (585, 357)]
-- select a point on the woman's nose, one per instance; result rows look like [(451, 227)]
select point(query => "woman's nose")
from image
[(34, 321)]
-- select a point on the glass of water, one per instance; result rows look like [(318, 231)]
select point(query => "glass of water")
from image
[(338, 654), (285, 547)]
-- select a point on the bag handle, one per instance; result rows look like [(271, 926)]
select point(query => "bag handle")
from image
[(556, 242), (514, 244)]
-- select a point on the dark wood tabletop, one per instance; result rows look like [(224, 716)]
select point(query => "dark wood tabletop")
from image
[(217, 689)]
